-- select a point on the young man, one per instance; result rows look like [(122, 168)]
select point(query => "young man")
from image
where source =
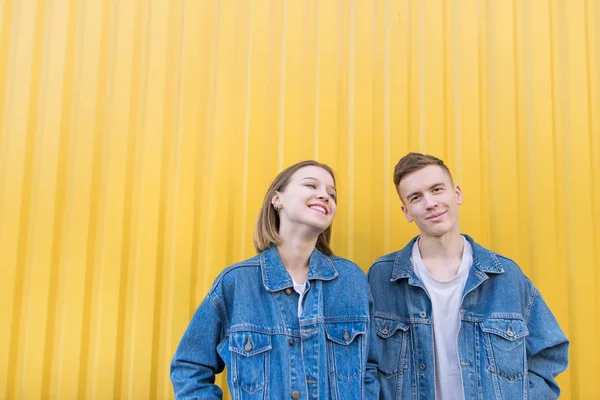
[(453, 319)]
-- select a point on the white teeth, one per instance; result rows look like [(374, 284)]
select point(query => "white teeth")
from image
[(318, 208)]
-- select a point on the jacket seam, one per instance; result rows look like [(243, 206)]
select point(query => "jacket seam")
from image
[(382, 260), (217, 304), (228, 270), (532, 297)]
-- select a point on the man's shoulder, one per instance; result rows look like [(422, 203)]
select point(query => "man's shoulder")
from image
[(491, 261), (386, 265), (511, 268), (386, 259), (398, 257)]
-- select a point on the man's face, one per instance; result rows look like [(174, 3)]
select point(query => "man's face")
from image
[(431, 200)]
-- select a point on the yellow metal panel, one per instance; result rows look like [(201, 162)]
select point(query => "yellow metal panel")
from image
[(97, 377), (138, 138)]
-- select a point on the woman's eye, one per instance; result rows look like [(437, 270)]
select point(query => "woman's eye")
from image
[(312, 185), (332, 195)]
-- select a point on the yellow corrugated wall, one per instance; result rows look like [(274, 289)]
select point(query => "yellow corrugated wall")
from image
[(137, 139)]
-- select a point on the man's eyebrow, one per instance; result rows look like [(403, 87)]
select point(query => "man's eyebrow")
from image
[(411, 194), (429, 188)]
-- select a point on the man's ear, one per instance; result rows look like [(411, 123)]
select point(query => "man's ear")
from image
[(409, 218), (459, 194)]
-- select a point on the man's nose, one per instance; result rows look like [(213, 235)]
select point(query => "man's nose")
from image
[(430, 202)]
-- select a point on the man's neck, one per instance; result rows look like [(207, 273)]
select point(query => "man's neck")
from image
[(448, 246), (442, 256)]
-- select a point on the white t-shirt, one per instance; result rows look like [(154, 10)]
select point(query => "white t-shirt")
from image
[(446, 298), (300, 289)]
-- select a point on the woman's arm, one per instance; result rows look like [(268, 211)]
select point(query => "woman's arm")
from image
[(196, 360)]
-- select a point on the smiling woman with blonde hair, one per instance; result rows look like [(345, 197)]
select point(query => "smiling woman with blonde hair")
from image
[(294, 321)]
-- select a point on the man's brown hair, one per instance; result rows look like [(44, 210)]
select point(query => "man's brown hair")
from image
[(267, 224), (413, 162)]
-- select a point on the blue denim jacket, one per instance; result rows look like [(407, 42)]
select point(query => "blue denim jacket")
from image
[(510, 345), (249, 323)]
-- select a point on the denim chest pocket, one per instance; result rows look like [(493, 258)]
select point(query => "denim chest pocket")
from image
[(504, 340), (250, 361), (392, 336), (345, 348)]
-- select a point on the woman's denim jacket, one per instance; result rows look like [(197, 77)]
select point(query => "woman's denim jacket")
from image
[(510, 345), (249, 323)]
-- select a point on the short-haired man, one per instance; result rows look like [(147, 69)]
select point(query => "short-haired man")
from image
[(453, 319)]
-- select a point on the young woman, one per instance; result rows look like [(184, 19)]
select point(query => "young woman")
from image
[(293, 322)]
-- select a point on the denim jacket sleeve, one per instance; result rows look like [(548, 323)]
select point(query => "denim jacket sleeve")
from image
[(371, 382), (196, 361), (547, 349)]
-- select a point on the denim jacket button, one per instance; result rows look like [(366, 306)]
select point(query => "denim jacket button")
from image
[(422, 314), (292, 342), (288, 291), (386, 330), (346, 335), (248, 345), (422, 367), (509, 332), (295, 395)]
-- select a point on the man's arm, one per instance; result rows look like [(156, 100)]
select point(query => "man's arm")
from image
[(547, 349)]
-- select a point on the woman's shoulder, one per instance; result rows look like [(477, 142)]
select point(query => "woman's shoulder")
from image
[(239, 270), (347, 268), (344, 263)]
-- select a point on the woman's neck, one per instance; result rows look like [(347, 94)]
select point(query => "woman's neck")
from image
[(295, 254)]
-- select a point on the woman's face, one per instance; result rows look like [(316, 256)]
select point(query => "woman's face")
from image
[(308, 200)]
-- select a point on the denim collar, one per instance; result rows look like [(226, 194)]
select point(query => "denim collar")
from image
[(276, 277), (483, 259)]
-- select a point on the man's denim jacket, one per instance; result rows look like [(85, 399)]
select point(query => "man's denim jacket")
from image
[(249, 323), (510, 345)]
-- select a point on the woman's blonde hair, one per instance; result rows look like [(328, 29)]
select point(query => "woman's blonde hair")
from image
[(267, 225)]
